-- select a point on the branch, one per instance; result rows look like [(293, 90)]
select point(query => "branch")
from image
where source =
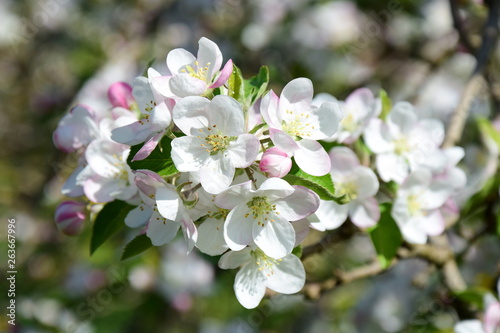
[(458, 25), (345, 231)]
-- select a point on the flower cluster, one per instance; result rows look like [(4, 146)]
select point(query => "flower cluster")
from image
[(245, 173)]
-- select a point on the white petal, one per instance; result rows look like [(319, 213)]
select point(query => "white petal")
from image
[(184, 85), (302, 228), (288, 275), (312, 158), (188, 153), (433, 223), (234, 259), (226, 113), (366, 182), (161, 117), (300, 204), (70, 187), (244, 150), (234, 195), (138, 216), (364, 213), (275, 188), (402, 118), (191, 114), (469, 326), (249, 286), (276, 239), (142, 93), (209, 55), (328, 117), (238, 228), (343, 159), (178, 58), (269, 109), (296, 91), (101, 155), (161, 231), (331, 214), (217, 174), (377, 137), (454, 155), (418, 179), (283, 141), (428, 132), (168, 202), (188, 230), (211, 240), (392, 167)]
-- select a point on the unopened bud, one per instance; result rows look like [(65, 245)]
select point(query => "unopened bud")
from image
[(120, 94), (69, 217), (275, 162)]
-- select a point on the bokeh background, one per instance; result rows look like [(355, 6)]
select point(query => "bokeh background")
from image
[(56, 53)]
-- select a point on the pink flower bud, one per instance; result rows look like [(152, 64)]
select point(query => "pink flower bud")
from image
[(69, 217), (275, 162), (120, 94)]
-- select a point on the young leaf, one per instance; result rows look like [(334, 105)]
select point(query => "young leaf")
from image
[(386, 104), (158, 161), (487, 129), (386, 236), (322, 185), (108, 222), (474, 296), (256, 86), (136, 246), (236, 84)]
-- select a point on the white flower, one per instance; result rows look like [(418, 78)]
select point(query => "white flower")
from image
[(295, 124), (107, 176), (193, 76), (416, 208), (258, 271), (76, 129), (262, 216), (359, 183), (358, 108), (404, 143), (215, 142)]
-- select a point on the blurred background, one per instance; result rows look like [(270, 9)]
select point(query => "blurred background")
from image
[(56, 53)]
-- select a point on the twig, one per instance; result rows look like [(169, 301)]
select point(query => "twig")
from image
[(458, 25), (344, 232)]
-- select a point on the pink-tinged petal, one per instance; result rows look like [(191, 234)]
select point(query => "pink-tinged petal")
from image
[(362, 102), (244, 150), (492, 318), (184, 85), (71, 188), (469, 326), (148, 182), (238, 227), (232, 259), (188, 153), (210, 56), (330, 214), (275, 162), (288, 276), (177, 59), (160, 230), (191, 114), (138, 216), (224, 75), (120, 95), (312, 158), (391, 167), (131, 134), (327, 119), (76, 129), (168, 202), (217, 174), (283, 141), (69, 217), (301, 228), (161, 86), (377, 137), (300, 204), (276, 238), (299, 90), (212, 241), (343, 159), (234, 195), (249, 286), (99, 189), (365, 213), (402, 119), (148, 147), (188, 230), (269, 109), (432, 223), (227, 116)]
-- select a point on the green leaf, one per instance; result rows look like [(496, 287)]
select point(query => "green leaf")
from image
[(108, 222), (474, 296), (297, 251), (386, 104), (256, 86), (158, 161), (386, 236), (486, 127), (136, 246), (322, 185), (236, 85)]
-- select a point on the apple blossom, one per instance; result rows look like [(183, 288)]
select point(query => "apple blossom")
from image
[(215, 141), (295, 124), (192, 76), (404, 143), (76, 129), (416, 208), (120, 95), (259, 271), (70, 216), (262, 216), (275, 162), (359, 183)]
